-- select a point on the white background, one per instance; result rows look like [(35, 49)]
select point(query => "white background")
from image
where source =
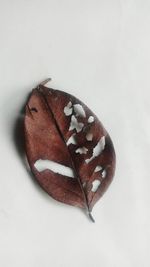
[(98, 50)]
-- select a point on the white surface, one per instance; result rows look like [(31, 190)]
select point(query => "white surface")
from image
[(100, 52)]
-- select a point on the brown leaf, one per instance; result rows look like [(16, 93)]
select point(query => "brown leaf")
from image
[(62, 131)]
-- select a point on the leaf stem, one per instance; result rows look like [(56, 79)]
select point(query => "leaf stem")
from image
[(91, 217), (45, 81)]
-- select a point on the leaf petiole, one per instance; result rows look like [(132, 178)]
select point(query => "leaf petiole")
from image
[(91, 217)]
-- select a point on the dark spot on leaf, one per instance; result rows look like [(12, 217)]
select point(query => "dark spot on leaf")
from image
[(33, 109)]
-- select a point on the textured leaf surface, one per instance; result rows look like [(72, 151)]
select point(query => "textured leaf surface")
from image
[(61, 129)]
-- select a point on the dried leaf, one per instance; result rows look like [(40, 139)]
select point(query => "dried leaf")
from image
[(61, 131)]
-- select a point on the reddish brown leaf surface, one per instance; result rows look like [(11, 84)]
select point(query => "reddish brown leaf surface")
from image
[(59, 128)]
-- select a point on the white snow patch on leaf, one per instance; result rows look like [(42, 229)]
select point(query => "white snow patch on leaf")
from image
[(82, 150), (42, 165), (98, 168), (95, 184), (90, 119), (74, 124), (68, 109), (104, 173), (72, 140), (79, 110), (97, 150)]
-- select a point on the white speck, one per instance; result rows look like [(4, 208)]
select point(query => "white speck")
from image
[(71, 140), (90, 119), (98, 168), (104, 173), (84, 184), (89, 136), (82, 150), (68, 109)]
